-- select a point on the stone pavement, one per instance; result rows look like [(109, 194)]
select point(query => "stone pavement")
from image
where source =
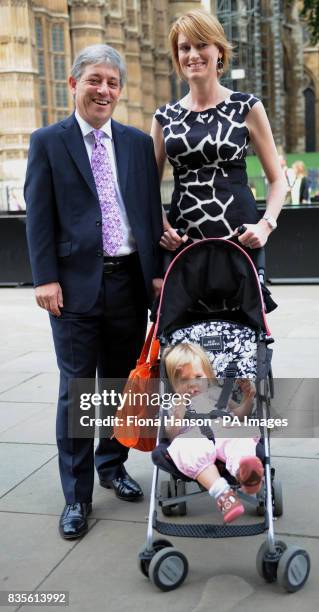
[(100, 571)]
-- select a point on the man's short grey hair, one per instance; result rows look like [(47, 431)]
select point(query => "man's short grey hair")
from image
[(98, 54)]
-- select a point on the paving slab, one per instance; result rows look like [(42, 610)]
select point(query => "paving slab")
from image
[(11, 379), (291, 359), (295, 447), (42, 388), (14, 413), (8, 354), (102, 573), (40, 492), (30, 549), (38, 427), (33, 361), (18, 461)]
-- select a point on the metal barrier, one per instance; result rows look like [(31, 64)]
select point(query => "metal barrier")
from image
[(292, 252)]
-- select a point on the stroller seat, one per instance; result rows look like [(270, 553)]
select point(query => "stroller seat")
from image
[(161, 458)]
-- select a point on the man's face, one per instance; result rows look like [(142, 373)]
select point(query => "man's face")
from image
[(96, 93)]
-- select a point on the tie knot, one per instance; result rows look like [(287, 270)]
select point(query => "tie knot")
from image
[(98, 135)]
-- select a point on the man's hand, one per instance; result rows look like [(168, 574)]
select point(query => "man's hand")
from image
[(157, 284), (50, 298), (170, 240)]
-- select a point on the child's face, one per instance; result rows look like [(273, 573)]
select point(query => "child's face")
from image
[(191, 378)]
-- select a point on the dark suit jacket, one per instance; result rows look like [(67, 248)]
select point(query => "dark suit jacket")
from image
[(64, 223)]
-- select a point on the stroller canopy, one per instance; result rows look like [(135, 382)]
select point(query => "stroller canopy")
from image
[(211, 278)]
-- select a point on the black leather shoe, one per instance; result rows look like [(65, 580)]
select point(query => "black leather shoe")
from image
[(73, 521), (124, 487)]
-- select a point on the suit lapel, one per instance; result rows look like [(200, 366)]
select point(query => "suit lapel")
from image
[(121, 145), (73, 140)]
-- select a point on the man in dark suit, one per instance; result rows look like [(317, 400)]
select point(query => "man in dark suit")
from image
[(93, 226)]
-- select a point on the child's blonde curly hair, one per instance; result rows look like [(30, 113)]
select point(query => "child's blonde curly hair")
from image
[(183, 354)]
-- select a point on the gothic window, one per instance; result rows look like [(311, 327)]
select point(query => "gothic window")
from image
[(44, 116), (43, 93), (310, 119), (41, 64), (57, 37), (39, 33), (60, 89), (61, 95), (59, 67)]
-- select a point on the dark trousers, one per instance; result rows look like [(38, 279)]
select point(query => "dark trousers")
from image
[(107, 340)]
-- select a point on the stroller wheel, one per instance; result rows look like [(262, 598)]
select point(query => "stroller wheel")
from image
[(293, 569), (168, 569), (166, 493), (267, 563), (145, 556), (277, 498)]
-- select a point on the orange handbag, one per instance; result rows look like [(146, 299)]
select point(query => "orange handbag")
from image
[(144, 379)]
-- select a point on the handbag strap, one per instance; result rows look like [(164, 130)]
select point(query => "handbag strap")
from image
[(151, 346)]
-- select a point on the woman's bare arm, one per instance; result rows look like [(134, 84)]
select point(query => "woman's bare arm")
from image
[(263, 143)]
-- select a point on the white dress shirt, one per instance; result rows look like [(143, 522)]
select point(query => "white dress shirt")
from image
[(129, 245)]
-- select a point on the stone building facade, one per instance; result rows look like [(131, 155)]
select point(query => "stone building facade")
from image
[(39, 38)]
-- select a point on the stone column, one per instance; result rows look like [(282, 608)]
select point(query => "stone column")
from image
[(294, 79), (86, 23), (114, 35), (162, 67), (19, 98), (147, 63), (132, 30)]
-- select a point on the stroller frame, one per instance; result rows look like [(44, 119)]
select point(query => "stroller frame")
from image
[(159, 560)]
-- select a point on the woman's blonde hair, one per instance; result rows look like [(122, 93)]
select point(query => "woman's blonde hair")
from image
[(299, 168), (198, 25), (184, 354)]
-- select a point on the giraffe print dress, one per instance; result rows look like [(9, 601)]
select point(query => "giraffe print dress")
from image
[(207, 151)]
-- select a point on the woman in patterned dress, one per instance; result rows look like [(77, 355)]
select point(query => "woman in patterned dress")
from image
[(205, 136)]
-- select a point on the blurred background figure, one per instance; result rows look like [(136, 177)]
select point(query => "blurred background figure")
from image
[(290, 178), (300, 189)]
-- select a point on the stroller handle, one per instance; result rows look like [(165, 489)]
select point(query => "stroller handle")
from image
[(257, 255), (168, 256)]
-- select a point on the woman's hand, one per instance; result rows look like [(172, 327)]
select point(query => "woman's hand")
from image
[(170, 240), (256, 234)]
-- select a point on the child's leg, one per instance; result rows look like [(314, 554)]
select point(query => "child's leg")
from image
[(192, 455), (239, 455), (195, 457)]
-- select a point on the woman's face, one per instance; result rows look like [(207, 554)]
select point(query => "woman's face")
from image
[(191, 378), (197, 60)]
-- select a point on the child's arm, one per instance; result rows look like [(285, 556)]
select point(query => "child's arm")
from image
[(176, 412), (245, 407)]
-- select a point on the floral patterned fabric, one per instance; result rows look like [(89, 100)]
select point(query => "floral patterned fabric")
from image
[(224, 342)]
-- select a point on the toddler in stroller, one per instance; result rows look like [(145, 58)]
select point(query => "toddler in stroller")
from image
[(194, 454)]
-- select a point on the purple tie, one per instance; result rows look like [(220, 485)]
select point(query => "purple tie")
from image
[(104, 181)]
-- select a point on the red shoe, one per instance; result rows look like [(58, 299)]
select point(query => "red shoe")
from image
[(230, 506), (250, 474)]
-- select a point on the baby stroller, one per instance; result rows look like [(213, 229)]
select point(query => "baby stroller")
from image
[(212, 297)]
